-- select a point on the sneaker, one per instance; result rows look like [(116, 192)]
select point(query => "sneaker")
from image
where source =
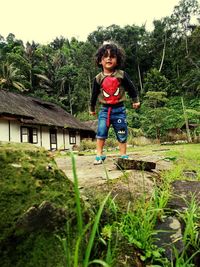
[(99, 159), (103, 157), (124, 157)]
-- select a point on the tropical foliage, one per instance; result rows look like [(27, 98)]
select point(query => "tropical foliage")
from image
[(166, 60)]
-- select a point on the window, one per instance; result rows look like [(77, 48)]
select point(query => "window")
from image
[(35, 136), (24, 135), (29, 135), (72, 137), (53, 139)]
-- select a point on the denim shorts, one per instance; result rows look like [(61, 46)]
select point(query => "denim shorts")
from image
[(117, 120)]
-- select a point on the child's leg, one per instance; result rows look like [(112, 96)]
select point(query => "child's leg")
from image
[(121, 130), (122, 148), (102, 131), (99, 157), (100, 145)]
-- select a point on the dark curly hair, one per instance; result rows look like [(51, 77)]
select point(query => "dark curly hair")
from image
[(115, 50)]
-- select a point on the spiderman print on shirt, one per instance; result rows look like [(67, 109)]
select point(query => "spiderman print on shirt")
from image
[(110, 88)]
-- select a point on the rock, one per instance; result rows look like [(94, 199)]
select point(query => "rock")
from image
[(190, 174), (49, 167), (36, 200), (126, 164), (182, 192), (81, 154), (43, 217), (16, 165), (169, 236), (126, 255)]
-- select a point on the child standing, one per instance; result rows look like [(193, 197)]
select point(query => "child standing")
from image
[(109, 87)]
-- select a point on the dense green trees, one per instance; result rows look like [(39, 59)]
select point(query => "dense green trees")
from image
[(162, 63)]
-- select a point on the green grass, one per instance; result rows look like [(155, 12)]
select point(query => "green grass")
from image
[(185, 157), (93, 241), (139, 226), (79, 250)]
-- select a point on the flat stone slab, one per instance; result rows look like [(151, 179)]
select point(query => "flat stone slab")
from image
[(182, 193), (90, 174), (169, 236)]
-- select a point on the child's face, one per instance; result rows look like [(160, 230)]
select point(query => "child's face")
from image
[(108, 62)]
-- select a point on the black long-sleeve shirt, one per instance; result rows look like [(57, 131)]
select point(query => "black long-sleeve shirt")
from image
[(112, 92)]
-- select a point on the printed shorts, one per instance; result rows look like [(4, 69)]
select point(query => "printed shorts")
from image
[(117, 120)]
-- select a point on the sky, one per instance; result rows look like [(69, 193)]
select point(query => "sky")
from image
[(44, 20)]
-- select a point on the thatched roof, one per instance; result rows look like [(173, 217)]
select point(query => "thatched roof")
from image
[(32, 110), (93, 124)]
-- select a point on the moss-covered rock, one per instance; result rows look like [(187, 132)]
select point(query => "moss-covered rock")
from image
[(36, 200)]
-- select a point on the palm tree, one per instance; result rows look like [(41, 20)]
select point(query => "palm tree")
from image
[(10, 76)]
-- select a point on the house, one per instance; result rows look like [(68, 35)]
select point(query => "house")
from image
[(180, 133), (93, 124), (31, 120)]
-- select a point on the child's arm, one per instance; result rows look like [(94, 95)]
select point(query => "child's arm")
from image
[(94, 96), (132, 91)]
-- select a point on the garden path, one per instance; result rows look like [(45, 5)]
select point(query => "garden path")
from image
[(90, 175)]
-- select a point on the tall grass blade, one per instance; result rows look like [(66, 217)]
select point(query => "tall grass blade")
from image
[(93, 232), (77, 196), (63, 242), (106, 172), (78, 242), (109, 258)]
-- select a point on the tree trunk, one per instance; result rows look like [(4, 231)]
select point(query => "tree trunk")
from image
[(140, 80), (70, 100), (158, 134), (163, 53), (186, 122), (90, 91)]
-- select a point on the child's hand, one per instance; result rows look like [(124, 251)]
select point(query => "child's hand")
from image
[(93, 113), (136, 105)]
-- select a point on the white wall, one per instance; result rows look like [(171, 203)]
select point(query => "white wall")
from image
[(11, 126), (67, 145), (45, 142), (78, 138), (66, 139), (15, 131), (4, 130), (60, 139), (43, 134)]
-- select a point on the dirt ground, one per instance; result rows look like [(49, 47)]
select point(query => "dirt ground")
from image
[(93, 178)]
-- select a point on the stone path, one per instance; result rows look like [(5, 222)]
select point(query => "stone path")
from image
[(89, 174)]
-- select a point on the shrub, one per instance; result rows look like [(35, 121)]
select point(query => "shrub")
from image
[(111, 143), (87, 144)]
